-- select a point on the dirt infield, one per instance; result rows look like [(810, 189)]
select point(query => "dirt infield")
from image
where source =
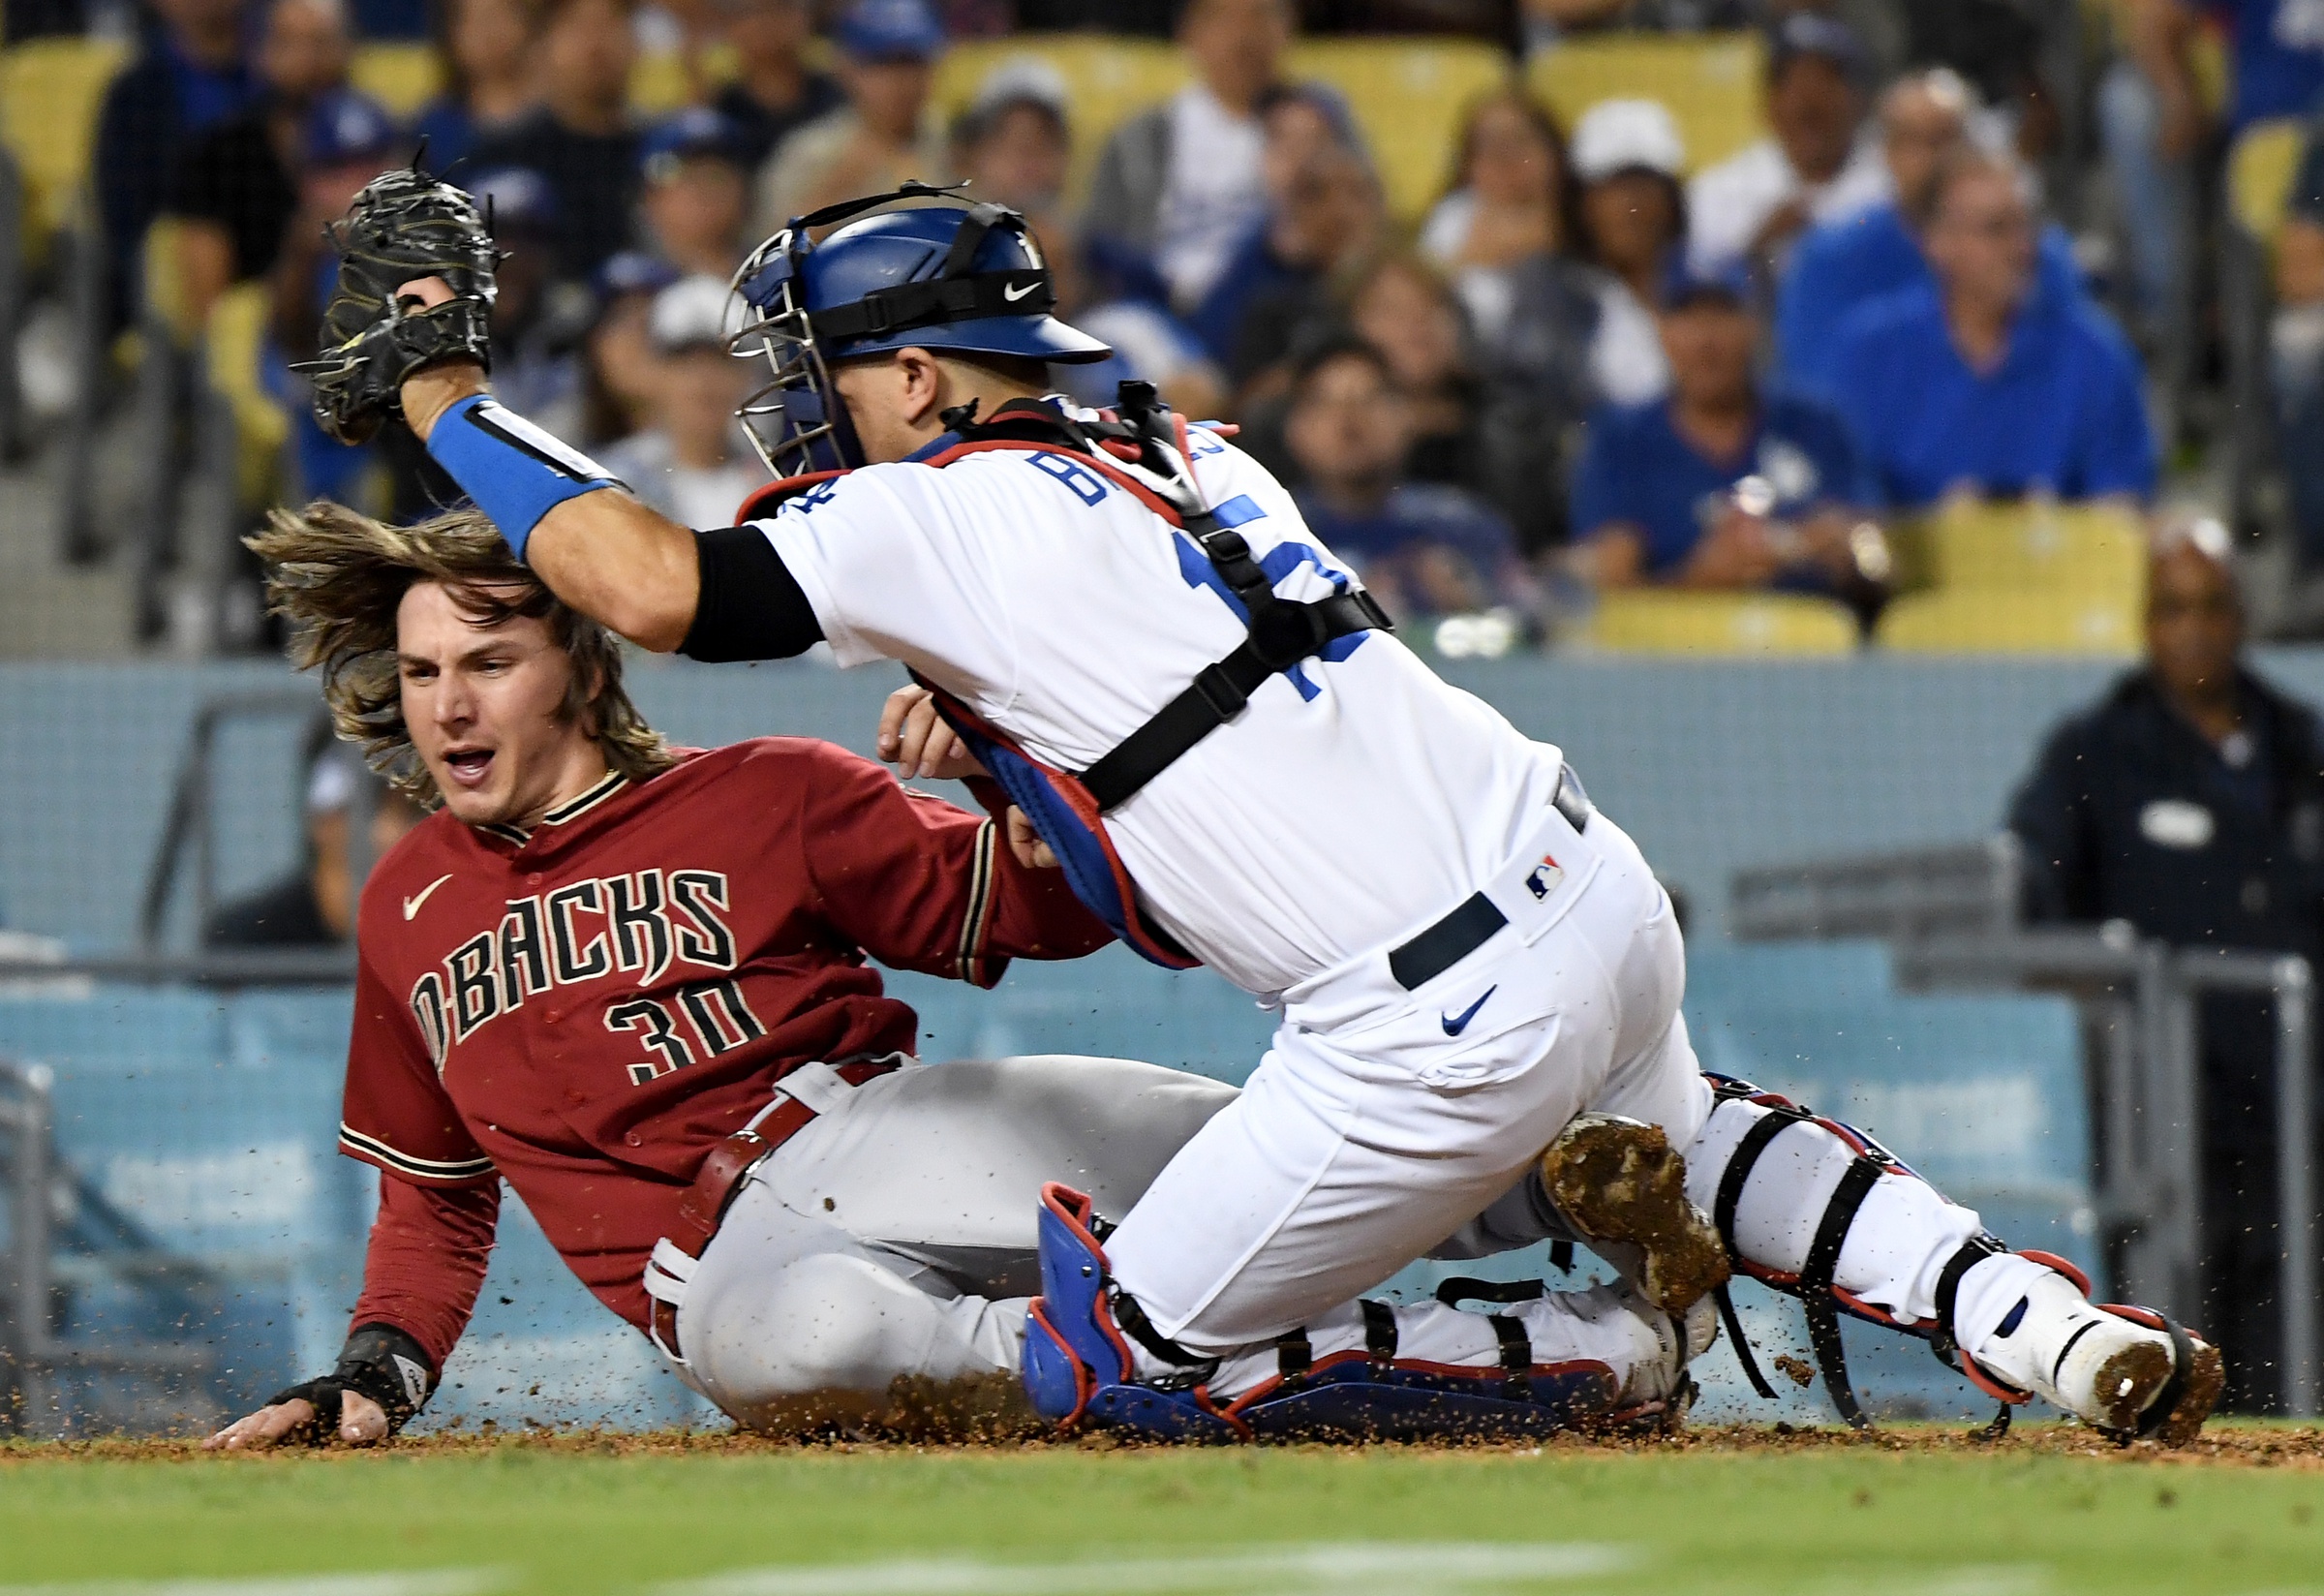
[(2224, 1443)]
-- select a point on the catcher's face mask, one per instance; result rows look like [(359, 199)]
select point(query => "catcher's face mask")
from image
[(934, 270)]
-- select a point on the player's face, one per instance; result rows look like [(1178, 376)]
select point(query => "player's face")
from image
[(485, 708)]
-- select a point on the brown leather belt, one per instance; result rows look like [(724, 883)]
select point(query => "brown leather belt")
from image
[(704, 1206)]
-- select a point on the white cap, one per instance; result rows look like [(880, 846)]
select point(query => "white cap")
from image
[(1622, 134), (693, 313), (1022, 77)]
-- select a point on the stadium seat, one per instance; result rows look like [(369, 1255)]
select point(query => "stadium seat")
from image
[(2260, 168), (1989, 621), (1710, 83), (1107, 81), (49, 93), (164, 301), (400, 74), (236, 343), (1409, 97), (2087, 549), (1649, 621)]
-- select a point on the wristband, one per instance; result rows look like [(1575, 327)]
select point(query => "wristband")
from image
[(516, 473), (380, 1361)]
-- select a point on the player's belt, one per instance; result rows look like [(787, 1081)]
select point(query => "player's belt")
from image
[(1464, 931), (703, 1208)]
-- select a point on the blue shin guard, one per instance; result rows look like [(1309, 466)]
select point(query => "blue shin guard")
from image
[(1077, 1364), (1079, 1370)]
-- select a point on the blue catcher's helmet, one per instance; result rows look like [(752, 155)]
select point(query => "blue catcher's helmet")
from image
[(944, 274)]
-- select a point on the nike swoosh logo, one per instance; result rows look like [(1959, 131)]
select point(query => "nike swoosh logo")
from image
[(411, 904), (1017, 291), (1454, 1025)]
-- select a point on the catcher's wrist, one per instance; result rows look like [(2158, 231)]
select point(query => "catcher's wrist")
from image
[(429, 392), (516, 473)]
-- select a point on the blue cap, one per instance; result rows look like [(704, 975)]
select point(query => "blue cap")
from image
[(518, 197), (345, 126), (1812, 33), (1684, 284), (891, 30), (631, 271), (696, 134)]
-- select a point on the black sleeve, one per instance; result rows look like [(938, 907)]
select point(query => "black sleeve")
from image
[(751, 607), (2050, 816)]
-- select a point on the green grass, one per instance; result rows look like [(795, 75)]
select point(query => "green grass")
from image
[(2032, 1517)]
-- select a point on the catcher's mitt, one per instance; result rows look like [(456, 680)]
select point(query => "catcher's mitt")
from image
[(403, 225)]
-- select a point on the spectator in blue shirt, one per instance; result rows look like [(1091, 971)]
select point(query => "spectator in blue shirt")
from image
[(1990, 381), (1718, 485), (191, 74), (1841, 264), (1425, 549)]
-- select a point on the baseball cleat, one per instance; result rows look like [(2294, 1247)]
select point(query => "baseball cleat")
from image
[(2126, 1371), (1619, 1179)]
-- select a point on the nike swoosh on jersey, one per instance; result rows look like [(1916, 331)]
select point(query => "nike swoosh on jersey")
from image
[(1017, 290), (1454, 1025), (411, 904)]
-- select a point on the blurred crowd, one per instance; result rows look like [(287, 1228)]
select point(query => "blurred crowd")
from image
[(1595, 362)]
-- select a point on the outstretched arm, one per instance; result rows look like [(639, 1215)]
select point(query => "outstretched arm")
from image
[(601, 552)]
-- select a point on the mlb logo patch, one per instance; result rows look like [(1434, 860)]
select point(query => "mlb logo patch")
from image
[(1544, 877)]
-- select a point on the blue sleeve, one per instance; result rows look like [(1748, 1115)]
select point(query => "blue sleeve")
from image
[(2115, 446), (1847, 479), (1596, 496), (1803, 320), (2055, 265), (1854, 399)]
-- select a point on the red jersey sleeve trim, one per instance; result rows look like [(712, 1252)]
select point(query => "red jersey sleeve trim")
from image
[(977, 968), (372, 1151)]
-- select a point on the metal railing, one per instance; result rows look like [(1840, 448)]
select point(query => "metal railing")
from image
[(31, 1354), (2138, 998)]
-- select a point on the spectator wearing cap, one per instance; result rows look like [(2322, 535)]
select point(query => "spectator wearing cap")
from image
[(1718, 485), (1812, 166), (1324, 212), (1990, 381), (1014, 140), (696, 188), (1633, 229), (484, 56), (580, 139), (691, 462), (774, 92), (1841, 264), (884, 134), (238, 187), (313, 904), (1184, 183), (618, 363), (1423, 549), (190, 74)]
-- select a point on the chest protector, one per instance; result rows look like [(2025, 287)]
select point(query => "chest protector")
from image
[(1068, 807)]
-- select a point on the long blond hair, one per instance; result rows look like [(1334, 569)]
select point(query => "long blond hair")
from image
[(338, 578)]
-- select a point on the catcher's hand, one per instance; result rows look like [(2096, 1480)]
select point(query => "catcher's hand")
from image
[(403, 225)]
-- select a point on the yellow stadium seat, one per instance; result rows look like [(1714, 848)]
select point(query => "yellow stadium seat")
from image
[(403, 77), (1409, 97), (237, 338), (164, 285), (1659, 621), (1711, 81), (2260, 168), (1107, 81), (50, 90), (661, 82), (1970, 620), (2095, 549)]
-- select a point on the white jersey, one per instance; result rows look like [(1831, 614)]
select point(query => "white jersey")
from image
[(1357, 798)]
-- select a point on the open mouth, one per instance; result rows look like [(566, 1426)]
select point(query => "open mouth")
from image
[(468, 767)]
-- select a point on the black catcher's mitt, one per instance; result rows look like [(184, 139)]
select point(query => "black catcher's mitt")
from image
[(403, 225)]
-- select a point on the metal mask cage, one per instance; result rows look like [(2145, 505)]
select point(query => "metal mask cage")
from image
[(794, 420)]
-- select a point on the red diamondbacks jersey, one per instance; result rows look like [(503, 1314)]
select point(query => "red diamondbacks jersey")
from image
[(589, 1008)]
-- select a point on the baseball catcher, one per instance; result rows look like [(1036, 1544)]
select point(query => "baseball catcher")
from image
[(1210, 728)]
